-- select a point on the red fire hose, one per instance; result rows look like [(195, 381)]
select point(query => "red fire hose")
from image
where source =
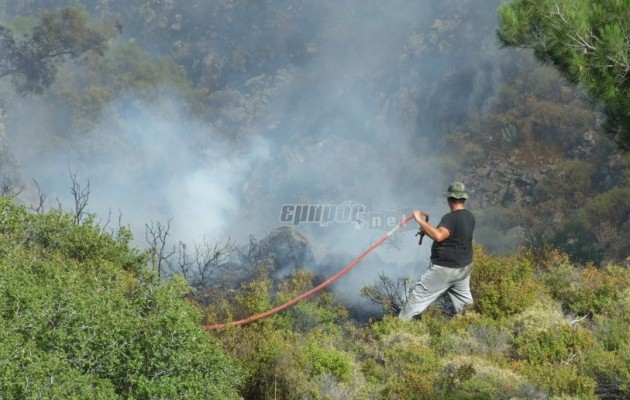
[(316, 288)]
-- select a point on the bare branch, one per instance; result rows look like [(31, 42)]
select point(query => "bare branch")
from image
[(41, 197), (81, 197), (576, 321), (156, 236), (389, 294), (109, 218), (207, 259)]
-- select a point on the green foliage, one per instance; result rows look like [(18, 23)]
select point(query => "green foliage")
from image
[(472, 153), (471, 377), (557, 345), (556, 358), (56, 232), (254, 297), (595, 229), (411, 369), (124, 69), (517, 342), (586, 41), (560, 380), (438, 357), (611, 366), (502, 286), (327, 360), (80, 317), (64, 285), (612, 322), (611, 207), (607, 217), (570, 182), (32, 62), (589, 290), (292, 354)]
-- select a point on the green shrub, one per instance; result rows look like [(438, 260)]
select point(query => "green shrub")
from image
[(555, 358), (295, 354), (556, 345), (611, 366), (612, 206), (472, 153), (479, 335), (607, 216), (575, 239), (611, 371), (613, 321), (327, 360), (502, 286), (320, 312), (587, 290), (559, 381), (411, 371), (475, 378), (254, 298), (77, 322), (571, 180)]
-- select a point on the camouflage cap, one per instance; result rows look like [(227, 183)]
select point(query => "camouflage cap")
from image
[(456, 190)]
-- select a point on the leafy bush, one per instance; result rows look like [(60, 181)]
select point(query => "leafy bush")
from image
[(612, 206), (502, 286), (516, 342), (124, 68), (597, 232), (293, 354), (570, 181), (411, 370), (438, 357), (559, 381), (555, 345), (471, 377), (612, 323), (327, 360), (607, 216), (611, 366), (587, 290), (611, 371), (81, 318), (555, 358), (472, 153), (575, 239)]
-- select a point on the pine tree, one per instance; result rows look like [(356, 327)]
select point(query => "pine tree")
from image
[(587, 41), (32, 60)]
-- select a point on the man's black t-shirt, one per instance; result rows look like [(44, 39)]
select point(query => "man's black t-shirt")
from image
[(455, 251)]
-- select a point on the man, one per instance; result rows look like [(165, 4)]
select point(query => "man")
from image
[(451, 257)]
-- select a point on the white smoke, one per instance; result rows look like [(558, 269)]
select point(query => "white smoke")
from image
[(146, 162), (351, 121)]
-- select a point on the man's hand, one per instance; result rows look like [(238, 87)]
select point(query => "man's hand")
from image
[(419, 215), (437, 234)]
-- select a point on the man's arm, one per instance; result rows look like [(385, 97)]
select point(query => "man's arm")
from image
[(438, 234)]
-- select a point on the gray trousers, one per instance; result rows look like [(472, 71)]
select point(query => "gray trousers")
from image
[(435, 281)]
